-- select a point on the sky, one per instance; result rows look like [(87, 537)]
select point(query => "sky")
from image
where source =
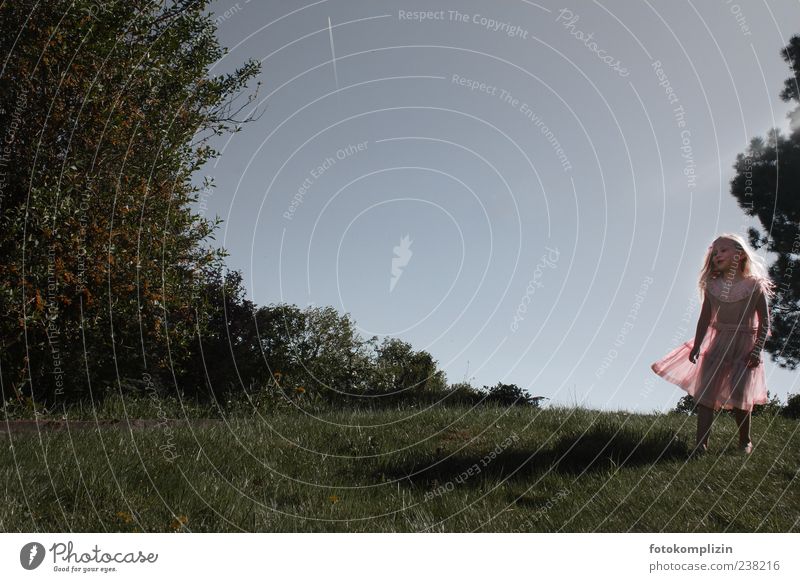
[(524, 190)]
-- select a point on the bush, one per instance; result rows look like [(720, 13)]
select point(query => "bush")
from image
[(685, 406), (792, 408), (772, 407), (397, 368), (511, 394), (463, 393)]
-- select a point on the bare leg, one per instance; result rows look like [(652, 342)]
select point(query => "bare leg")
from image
[(743, 422), (705, 417)]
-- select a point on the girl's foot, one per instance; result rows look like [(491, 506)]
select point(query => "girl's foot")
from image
[(746, 448)]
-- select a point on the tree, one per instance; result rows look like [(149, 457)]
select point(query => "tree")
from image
[(399, 369), (106, 109), (225, 355), (316, 348), (281, 330), (765, 185), (333, 353)]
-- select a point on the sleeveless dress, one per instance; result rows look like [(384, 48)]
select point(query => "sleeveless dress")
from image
[(721, 378)]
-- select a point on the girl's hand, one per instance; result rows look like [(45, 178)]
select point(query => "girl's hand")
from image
[(753, 361), (693, 354)]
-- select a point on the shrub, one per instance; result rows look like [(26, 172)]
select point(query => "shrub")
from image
[(511, 394), (685, 406), (772, 407), (792, 408)]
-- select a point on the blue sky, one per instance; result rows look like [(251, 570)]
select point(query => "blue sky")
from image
[(525, 190)]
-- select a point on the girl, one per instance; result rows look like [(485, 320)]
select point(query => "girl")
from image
[(735, 288)]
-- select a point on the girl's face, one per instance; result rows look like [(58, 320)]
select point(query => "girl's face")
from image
[(725, 256)]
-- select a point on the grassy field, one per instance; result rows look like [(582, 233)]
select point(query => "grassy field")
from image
[(443, 469)]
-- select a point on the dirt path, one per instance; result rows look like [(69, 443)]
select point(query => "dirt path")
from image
[(35, 426)]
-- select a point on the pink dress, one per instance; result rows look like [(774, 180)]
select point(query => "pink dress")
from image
[(721, 378)]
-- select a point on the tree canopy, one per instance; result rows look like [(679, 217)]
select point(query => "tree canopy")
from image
[(766, 184), (107, 109)]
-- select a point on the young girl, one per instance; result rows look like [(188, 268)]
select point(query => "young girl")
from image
[(722, 368)]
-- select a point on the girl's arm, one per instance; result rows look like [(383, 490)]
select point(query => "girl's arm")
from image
[(702, 327), (764, 328)]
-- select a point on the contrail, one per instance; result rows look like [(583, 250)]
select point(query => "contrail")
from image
[(333, 53)]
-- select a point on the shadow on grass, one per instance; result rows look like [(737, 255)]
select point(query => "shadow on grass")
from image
[(598, 449)]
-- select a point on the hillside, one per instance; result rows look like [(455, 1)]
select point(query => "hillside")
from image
[(447, 469)]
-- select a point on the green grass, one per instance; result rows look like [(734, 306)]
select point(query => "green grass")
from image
[(406, 470)]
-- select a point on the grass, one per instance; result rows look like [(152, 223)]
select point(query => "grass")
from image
[(440, 469)]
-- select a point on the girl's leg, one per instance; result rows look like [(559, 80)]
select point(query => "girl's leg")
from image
[(705, 417), (743, 422)]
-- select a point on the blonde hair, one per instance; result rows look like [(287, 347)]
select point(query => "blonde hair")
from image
[(751, 266)]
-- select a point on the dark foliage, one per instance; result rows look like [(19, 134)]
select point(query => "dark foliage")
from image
[(792, 408), (510, 394), (686, 405), (106, 109), (765, 186)]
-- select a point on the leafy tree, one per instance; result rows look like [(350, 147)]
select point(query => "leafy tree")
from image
[(336, 358), (106, 109), (281, 332), (226, 355), (399, 369), (316, 348), (765, 185)]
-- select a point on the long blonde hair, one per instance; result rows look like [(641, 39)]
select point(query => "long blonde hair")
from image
[(751, 266)]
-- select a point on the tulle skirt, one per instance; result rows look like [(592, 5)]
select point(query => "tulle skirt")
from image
[(720, 378)]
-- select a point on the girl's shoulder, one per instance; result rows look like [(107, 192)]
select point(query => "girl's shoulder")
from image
[(764, 285)]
